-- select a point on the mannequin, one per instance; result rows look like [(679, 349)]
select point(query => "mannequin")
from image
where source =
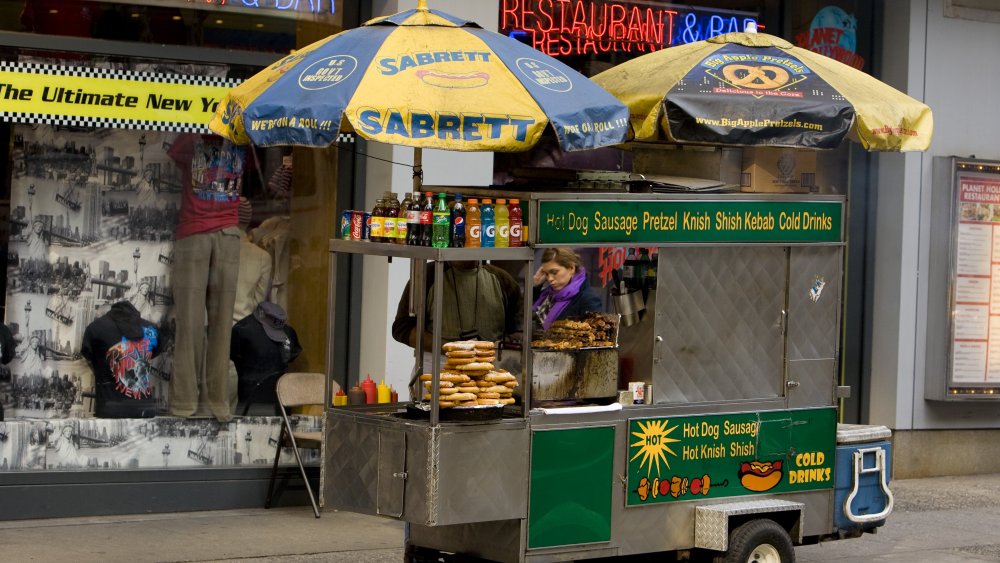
[(119, 346), (255, 268), (206, 268), (263, 345)]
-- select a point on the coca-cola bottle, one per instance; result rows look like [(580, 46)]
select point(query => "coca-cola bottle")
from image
[(427, 219), (413, 229)]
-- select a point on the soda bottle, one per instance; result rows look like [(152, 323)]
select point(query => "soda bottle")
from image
[(649, 281), (378, 221), (427, 219), (641, 268), (403, 220), (389, 231), (458, 211), (413, 221), (487, 216), (474, 224), (514, 210), (629, 270), (442, 222), (502, 217)]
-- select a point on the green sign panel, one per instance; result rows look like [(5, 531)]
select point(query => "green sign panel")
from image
[(697, 457), (572, 476), (584, 221)]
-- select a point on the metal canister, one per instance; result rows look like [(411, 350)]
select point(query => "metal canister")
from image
[(357, 224), (366, 226), (345, 224), (648, 397)]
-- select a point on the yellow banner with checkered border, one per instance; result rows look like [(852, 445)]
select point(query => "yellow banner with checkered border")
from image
[(69, 96)]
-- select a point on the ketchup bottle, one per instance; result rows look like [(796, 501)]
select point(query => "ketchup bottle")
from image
[(368, 386)]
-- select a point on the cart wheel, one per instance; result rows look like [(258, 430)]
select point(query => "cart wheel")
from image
[(759, 541)]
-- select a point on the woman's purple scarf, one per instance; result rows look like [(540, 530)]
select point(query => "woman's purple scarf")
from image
[(561, 298)]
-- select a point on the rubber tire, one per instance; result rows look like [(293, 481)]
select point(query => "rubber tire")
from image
[(747, 538)]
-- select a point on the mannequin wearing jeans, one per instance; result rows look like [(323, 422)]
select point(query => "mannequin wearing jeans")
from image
[(205, 272)]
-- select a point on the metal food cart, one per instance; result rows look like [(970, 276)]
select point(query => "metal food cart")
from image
[(738, 451)]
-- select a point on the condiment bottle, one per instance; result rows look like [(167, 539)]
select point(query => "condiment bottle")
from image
[(516, 220), (356, 396), (339, 398), (383, 392), (393, 395), (368, 386), (474, 224)]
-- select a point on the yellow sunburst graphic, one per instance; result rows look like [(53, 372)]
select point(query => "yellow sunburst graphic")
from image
[(654, 444)]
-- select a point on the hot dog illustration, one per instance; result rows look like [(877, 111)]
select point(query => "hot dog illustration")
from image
[(443, 79), (760, 476)]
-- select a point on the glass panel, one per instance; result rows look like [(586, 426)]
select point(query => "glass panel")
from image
[(93, 218)]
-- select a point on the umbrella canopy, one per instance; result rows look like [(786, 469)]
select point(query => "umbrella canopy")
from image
[(421, 78), (757, 89)]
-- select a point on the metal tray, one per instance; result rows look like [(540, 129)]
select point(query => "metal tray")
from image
[(422, 410)]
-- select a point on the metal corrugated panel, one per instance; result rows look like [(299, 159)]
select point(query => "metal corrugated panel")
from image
[(814, 287), (720, 310)]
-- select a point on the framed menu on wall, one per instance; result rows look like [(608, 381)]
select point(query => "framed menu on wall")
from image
[(965, 281)]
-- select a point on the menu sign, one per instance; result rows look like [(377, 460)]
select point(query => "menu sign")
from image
[(975, 356), (687, 221)]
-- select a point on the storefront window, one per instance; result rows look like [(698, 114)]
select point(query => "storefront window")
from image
[(94, 198)]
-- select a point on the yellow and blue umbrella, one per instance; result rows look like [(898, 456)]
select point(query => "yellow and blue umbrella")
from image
[(750, 89), (421, 78)]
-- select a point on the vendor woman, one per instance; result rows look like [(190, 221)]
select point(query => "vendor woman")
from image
[(564, 289)]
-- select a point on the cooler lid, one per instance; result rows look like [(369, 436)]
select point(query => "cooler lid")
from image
[(861, 433)]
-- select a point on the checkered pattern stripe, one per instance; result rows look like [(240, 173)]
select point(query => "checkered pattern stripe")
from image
[(114, 74), (100, 122)]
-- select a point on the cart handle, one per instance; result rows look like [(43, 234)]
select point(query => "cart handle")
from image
[(860, 469)]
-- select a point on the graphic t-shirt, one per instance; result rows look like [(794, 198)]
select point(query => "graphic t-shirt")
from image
[(212, 169), (119, 346)]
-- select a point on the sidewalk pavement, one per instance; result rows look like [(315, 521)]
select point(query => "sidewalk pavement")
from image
[(940, 520)]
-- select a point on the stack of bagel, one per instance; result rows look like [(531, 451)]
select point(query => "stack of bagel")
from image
[(469, 378)]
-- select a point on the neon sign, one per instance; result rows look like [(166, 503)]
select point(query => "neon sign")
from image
[(289, 7), (579, 27)]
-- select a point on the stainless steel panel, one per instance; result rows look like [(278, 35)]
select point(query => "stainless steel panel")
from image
[(493, 541), (711, 529), (812, 383), (350, 468), (391, 472), (482, 474), (814, 288), (719, 311)]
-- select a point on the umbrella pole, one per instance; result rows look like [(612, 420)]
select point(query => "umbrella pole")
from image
[(417, 270), (418, 168)]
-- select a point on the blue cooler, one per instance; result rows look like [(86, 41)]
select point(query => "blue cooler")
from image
[(862, 499)]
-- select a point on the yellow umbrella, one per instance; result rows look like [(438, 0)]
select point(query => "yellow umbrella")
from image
[(421, 78), (749, 89)]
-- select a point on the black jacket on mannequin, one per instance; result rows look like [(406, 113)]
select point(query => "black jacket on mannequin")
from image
[(259, 360), (119, 346)]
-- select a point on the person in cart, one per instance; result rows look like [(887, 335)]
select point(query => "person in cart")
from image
[(561, 288), (481, 302)]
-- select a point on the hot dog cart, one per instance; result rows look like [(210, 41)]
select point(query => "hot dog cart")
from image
[(738, 450)]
